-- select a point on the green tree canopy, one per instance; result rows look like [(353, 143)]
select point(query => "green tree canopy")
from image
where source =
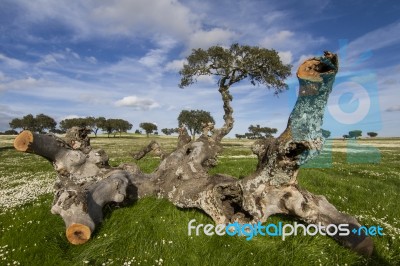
[(231, 65), (114, 126), (39, 123), (193, 120), (169, 131), (9, 132), (257, 132), (122, 126), (72, 122), (90, 122), (259, 65), (17, 123), (43, 122), (326, 133), (148, 127), (355, 134), (372, 134)]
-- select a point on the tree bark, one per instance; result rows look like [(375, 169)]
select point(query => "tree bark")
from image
[(154, 147), (86, 182)]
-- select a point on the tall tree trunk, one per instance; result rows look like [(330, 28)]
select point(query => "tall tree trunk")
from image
[(86, 181)]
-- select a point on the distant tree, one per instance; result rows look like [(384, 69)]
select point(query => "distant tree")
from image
[(258, 132), (114, 126), (326, 133), (194, 120), (11, 132), (43, 122), (36, 124), (137, 131), (16, 123), (109, 127), (122, 126), (97, 124), (355, 134), (169, 131), (57, 131), (89, 122), (26, 123), (148, 127), (239, 136), (372, 134), (346, 137), (73, 122)]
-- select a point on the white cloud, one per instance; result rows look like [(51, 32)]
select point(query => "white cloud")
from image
[(153, 58), (72, 53), (286, 40), (63, 56), (175, 65), (75, 15), (286, 57), (206, 79), (22, 84), (125, 65), (131, 17), (204, 39), (377, 39), (70, 117), (137, 103), (274, 16), (91, 59), (51, 59), (139, 18), (276, 40), (12, 62)]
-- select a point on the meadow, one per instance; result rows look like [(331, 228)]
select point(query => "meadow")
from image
[(360, 178)]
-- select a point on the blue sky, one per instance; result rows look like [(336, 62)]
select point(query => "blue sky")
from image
[(120, 59)]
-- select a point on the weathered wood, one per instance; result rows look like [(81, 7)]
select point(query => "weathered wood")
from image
[(86, 182), (154, 147)]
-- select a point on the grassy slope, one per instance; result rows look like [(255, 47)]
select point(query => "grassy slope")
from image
[(154, 232)]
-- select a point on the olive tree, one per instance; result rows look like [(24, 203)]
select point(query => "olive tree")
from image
[(194, 120), (148, 127)]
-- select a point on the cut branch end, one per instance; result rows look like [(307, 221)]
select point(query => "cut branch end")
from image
[(313, 68), (23, 140), (78, 234)]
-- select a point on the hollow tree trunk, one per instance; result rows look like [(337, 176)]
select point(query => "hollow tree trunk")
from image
[(86, 182)]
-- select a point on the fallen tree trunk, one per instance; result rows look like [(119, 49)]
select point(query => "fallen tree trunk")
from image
[(86, 181)]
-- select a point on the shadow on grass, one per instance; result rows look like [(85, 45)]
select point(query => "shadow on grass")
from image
[(7, 148), (377, 260)]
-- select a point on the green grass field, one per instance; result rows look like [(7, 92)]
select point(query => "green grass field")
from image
[(154, 232)]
